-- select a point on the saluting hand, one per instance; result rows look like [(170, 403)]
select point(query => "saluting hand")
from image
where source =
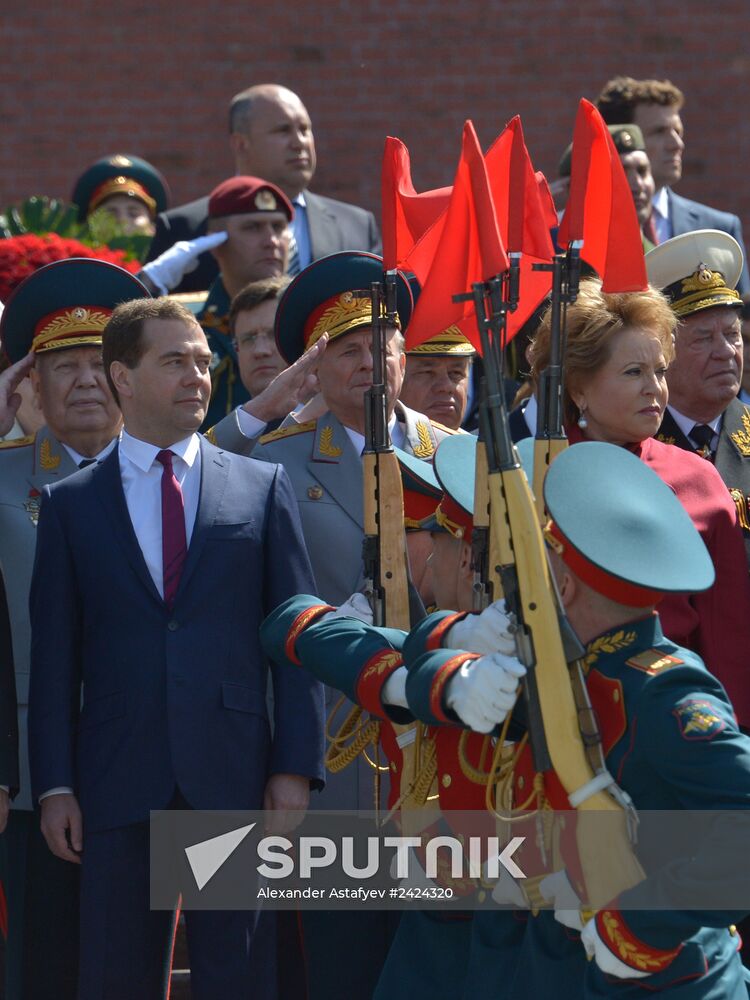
[(62, 822), (296, 385), (10, 400)]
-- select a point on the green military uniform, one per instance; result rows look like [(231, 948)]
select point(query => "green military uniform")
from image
[(668, 730), (227, 390)]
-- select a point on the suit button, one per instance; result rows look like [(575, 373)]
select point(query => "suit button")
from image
[(173, 626), (446, 781)]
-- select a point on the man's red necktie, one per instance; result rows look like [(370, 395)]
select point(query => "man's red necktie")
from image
[(173, 537)]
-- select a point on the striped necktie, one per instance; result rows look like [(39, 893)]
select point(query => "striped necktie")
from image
[(293, 267)]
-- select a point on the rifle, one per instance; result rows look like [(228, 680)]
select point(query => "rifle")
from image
[(550, 437), (394, 601), (545, 642)]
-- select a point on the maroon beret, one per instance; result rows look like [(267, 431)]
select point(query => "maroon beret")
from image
[(243, 195)]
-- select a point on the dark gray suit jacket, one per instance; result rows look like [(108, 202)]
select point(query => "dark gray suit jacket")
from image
[(334, 225), (686, 215)]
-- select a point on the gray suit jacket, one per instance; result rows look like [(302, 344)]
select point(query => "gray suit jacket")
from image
[(686, 215), (26, 466), (326, 475)]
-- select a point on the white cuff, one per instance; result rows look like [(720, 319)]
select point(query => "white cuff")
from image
[(62, 790), (249, 425)]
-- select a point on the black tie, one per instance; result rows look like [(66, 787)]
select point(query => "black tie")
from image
[(702, 435), (86, 461)]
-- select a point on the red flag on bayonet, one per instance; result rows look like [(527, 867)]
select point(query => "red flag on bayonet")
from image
[(470, 249), (600, 208), (524, 226), (406, 215)]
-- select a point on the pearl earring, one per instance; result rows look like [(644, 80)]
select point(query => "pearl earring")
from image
[(582, 421)]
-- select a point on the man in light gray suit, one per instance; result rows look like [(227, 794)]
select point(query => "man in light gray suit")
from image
[(654, 106), (58, 315), (271, 136)]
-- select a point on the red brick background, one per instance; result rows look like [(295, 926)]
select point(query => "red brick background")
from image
[(80, 79)]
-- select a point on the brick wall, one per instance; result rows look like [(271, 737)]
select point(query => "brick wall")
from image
[(80, 79)]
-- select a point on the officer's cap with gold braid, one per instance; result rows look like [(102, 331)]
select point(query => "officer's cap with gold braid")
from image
[(447, 344), (455, 466), (422, 491), (65, 304), (697, 270), (120, 174), (620, 528), (320, 300), (450, 342)]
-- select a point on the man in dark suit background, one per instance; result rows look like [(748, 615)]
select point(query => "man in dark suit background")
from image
[(654, 106), (154, 570), (271, 136)]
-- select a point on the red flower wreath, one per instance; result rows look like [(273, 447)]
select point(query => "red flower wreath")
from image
[(22, 255)]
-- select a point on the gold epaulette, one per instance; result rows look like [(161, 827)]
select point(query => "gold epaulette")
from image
[(18, 442), (283, 432), (210, 435), (442, 427), (654, 661)]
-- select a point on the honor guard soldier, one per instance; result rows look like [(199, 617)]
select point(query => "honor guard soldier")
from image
[(698, 272), (253, 216), (132, 190), (433, 954), (58, 315), (668, 730)]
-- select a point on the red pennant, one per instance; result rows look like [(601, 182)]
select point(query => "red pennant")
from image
[(406, 215), (524, 224), (468, 248), (600, 208)]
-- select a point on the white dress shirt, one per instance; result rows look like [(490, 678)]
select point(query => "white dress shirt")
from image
[(141, 482), (660, 215)]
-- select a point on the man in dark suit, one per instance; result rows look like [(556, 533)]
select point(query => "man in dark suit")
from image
[(654, 106), (154, 570), (271, 136)]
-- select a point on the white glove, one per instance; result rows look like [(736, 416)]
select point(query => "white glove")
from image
[(508, 892), (356, 606), (597, 949), (393, 692), (487, 632), (483, 691), (558, 891), (168, 270)]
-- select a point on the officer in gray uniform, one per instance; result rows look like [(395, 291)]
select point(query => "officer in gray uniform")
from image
[(58, 314)]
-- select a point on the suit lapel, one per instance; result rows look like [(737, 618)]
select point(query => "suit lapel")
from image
[(670, 433), (214, 472), (108, 482), (324, 237), (337, 467)]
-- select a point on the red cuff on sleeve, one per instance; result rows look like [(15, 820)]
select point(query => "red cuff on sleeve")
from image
[(373, 676), (300, 623), (441, 678), (435, 638), (628, 948)]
